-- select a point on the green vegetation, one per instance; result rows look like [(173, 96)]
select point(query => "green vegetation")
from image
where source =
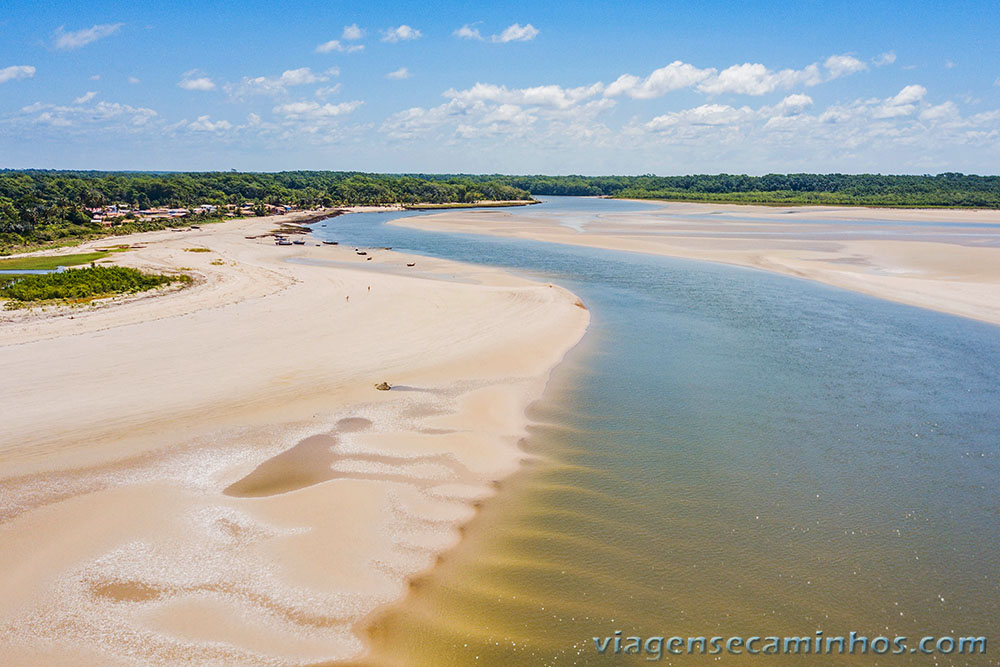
[(197, 250), (49, 263), (41, 207), (81, 285), (482, 204), (952, 190)]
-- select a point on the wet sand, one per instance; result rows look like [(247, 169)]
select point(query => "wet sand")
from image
[(209, 475), (945, 260)]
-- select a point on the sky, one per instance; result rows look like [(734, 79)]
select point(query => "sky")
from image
[(530, 87)]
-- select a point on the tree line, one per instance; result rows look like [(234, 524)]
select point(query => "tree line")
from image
[(41, 206), (38, 206), (950, 189)]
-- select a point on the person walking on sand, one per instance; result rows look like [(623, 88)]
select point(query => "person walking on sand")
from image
[(347, 299)]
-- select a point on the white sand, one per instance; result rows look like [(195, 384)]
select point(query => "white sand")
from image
[(124, 426), (951, 268)]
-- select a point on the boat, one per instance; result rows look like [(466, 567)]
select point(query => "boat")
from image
[(283, 242), (299, 242), (362, 252), (411, 263), (329, 242)]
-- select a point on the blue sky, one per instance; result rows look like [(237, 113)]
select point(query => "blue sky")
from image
[(554, 87)]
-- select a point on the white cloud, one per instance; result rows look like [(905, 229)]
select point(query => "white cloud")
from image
[(401, 73), (205, 124), (549, 96), (843, 65), (299, 110), (743, 79), (946, 111), (468, 32), (549, 115), (335, 45), (95, 77), (400, 34), (883, 59), (15, 72), (253, 120), (352, 32), (756, 79), (273, 85), (110, 114), (793, 104), (133, 80), (516, 33), (908, 95), (196, 80), (74, 40), (949, 64), (327, 91), (674, 76), (706, 114), (86, 97)]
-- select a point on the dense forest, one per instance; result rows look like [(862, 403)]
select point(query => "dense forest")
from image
[(40, 206), (944, 190)]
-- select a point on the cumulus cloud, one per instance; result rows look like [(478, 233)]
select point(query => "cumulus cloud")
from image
[(15, 72), (516, 33), (86, 97), (901, 104), (674, 76), (273, 85), (326, 91), (401, 73), (401, 34), (65, 41), (468, 31), (843, 65), (756, 79), (352, 32), (945, 111), (206, 124), (706, 114), (743, 79), (196, 80), (550, 115), (550, 96), (335, 45), (110, 114), (793, 104), (883, 59), (313, 110)]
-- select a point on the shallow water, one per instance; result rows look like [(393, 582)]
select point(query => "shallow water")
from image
[(729, 452)]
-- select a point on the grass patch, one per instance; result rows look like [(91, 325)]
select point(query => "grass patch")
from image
[(81, 285), (217, 262), (50, 263), (197, 250)]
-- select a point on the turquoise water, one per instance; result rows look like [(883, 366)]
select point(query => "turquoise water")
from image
[(728, 452)]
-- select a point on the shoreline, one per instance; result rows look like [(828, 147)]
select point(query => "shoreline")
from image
[(211, 472), (947, 268)]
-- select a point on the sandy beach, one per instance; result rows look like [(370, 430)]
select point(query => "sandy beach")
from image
[(945, 260), (209, 475)]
